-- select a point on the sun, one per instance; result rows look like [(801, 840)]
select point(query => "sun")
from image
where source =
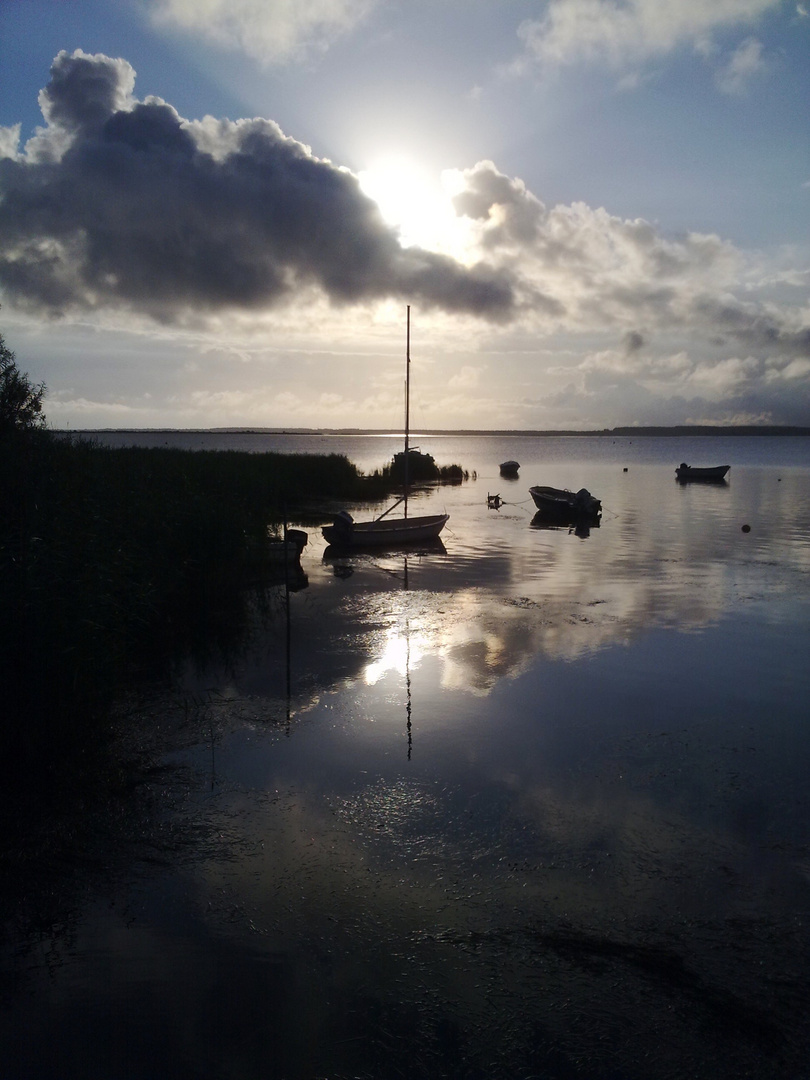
[(416, 203)]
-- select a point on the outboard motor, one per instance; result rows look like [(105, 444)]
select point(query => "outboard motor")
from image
[(344, 521), (586, 503)]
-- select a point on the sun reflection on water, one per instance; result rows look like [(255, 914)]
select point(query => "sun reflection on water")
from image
[(400, 653)]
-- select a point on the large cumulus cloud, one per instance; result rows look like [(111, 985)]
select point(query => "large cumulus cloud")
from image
[(119, 202)]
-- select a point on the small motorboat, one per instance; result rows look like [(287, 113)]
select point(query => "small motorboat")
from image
[(509, 468), (566, 505), (714, 473)]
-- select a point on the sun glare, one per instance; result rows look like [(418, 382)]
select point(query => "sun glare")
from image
[(399, 654), (415, 203)]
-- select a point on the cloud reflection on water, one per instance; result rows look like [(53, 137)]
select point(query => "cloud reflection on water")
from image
[(548, 798), (502, 593)]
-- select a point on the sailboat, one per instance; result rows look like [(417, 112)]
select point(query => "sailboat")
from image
[(385, 531)]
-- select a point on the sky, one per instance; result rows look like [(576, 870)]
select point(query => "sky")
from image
[(214, 213)]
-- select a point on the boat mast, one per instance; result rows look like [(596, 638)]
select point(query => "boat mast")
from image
[(407, 400)]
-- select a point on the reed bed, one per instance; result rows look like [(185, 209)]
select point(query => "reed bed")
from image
[(115, 562)]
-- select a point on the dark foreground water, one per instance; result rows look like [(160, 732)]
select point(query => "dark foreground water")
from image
[(532, 804)]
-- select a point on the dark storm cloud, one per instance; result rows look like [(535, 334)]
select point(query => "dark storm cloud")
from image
[(123, 203), (750, 325)]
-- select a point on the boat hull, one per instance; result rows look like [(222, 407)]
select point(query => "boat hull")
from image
[(393, 532), (714, 474)]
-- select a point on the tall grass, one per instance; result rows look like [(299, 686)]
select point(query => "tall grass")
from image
[(114, 561)]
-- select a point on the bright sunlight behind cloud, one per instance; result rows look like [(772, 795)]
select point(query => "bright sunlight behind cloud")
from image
[(418, 205)]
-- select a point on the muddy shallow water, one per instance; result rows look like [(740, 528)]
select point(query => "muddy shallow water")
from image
[(531, 804)]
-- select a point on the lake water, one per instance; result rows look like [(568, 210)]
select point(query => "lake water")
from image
[(533, 804)]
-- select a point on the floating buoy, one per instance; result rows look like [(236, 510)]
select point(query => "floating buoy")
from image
[(624, 469), (746, 528)]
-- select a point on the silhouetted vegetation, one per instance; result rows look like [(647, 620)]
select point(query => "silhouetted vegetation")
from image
[(420, 468), (20, 399), (116, 561)]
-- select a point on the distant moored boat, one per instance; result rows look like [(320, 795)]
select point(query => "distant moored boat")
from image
[(714, 473)]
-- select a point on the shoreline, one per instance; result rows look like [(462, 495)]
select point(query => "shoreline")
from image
[(682, 431)]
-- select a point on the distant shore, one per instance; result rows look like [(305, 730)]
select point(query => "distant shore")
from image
[(619, 432)]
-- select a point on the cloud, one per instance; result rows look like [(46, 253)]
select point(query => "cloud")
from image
[(85, 91), (615, 367), (694, 337), (796, 369), (633, 342), (582, 269), (233, 229), (118, 203), (727, 377), (760, 328), (621, 33), (684, 386), (277, 32), (745, 63), (608, 386), (466, 379), (10, 141), (624, 34)]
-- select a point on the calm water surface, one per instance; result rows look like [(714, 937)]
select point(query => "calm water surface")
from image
[(532, 804)]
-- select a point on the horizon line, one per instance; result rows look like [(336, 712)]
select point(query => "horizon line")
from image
[(651, 430)]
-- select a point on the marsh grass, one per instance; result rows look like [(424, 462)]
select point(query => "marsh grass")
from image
[(120, 562)]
